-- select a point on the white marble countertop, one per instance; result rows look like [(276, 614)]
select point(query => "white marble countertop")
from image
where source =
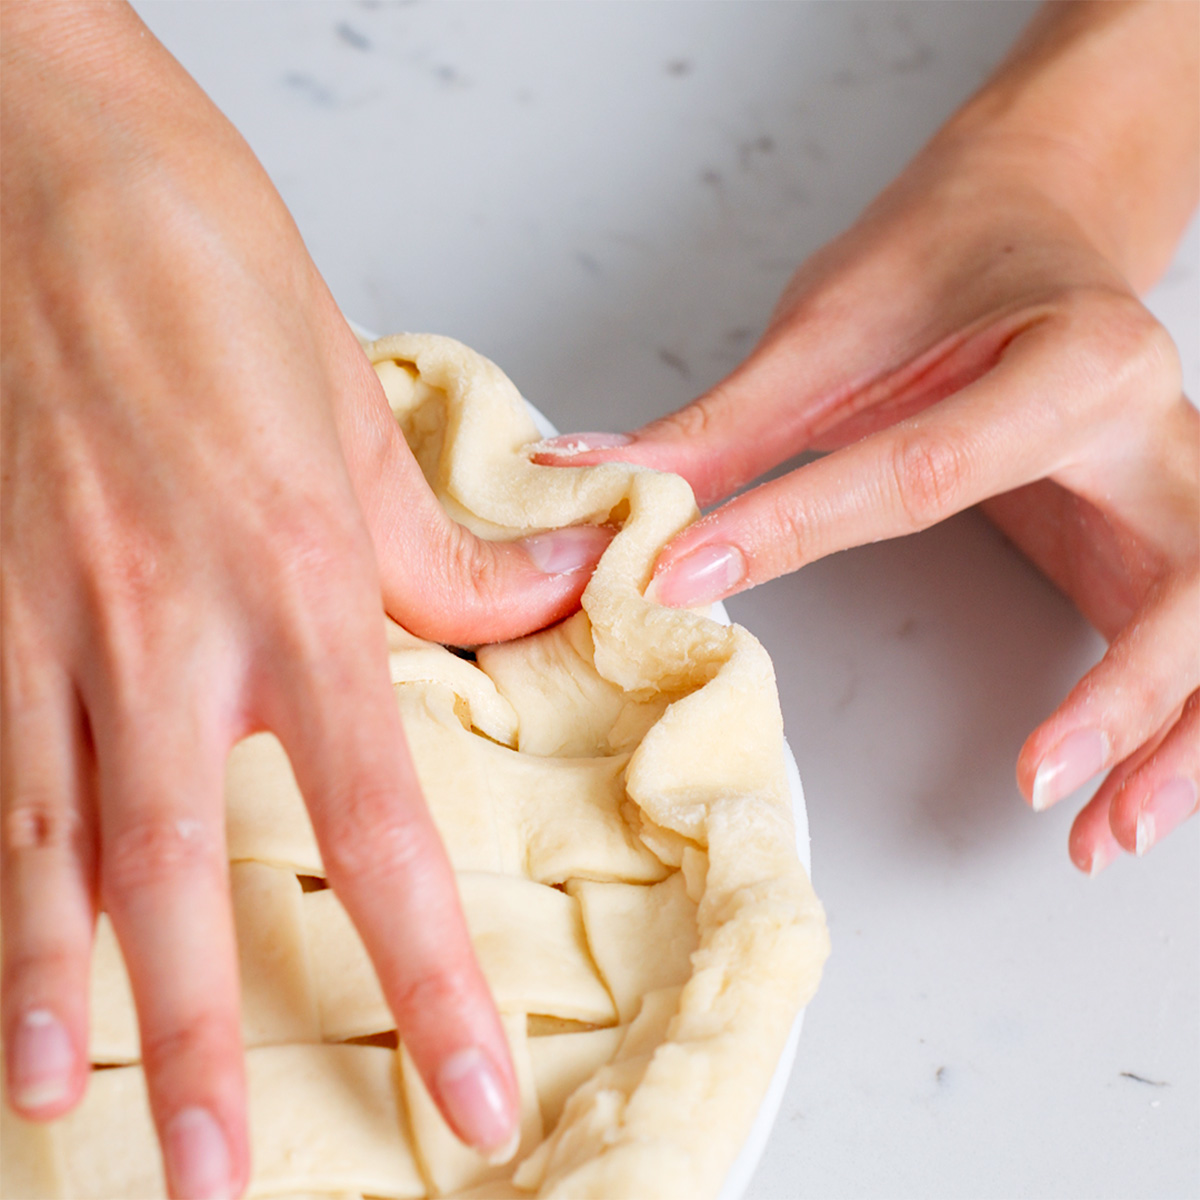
[(606, 199)]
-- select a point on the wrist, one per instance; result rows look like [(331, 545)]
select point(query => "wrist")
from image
[(88, 93), (1097, 109), (101, 123), (65, 66)]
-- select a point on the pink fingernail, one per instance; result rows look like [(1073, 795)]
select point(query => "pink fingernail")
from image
[(474, 1096), (568, 444), (1075, 759), (1102, 856), (700, 577), (564, 551), (1168, 807), (197, 1156), (43, 1060)]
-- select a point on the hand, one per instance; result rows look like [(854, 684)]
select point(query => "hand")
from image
[(205, 494), (971, 340)]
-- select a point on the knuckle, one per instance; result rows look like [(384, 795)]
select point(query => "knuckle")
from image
[(140, 613), (23, 655), (1185, 733), (44, 967), (472, 564), (1131, 354), (134, 592), (302, 525), (302, 573), (791, 527), (313, 556), (1144, 697), (156, 851), (315, 543), (130, 569), (372, 838), (1141, 690), (39, 821), (437, 992), (930, 474), (696, 422), (314, 561), (1158, 364), (205, 1038)]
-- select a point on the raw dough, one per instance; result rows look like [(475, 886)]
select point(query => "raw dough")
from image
[(612, 794)]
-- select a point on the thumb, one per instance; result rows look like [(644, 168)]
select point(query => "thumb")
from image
[(442, 582)]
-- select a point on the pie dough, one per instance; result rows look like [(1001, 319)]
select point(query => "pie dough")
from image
[(612, 794)]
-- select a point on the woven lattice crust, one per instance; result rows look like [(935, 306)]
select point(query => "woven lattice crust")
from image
[(612, 794)]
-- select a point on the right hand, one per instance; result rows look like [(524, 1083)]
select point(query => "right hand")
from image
[(975, 337), (205, 494)]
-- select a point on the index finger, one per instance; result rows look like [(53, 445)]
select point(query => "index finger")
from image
[(1028, 418)]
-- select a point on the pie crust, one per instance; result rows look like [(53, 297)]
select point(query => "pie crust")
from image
[(612, 794)]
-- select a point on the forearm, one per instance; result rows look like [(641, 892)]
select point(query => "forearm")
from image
[(1099, 106)]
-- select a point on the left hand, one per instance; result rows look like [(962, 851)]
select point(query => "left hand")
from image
[(207, 506)]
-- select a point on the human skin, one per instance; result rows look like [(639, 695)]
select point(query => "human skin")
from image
[(976, 337), (205, 497)]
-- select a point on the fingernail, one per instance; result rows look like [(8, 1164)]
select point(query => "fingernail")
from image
[(475, 1098), (43, 1060), (1168, 807), (1104, 854), (568, 444), (197, 1155), (700, 577), (1075, 759), (564, 551), (506, 1152)]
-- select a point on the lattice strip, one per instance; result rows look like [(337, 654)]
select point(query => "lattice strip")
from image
[(641, 938), (450, 1166)]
